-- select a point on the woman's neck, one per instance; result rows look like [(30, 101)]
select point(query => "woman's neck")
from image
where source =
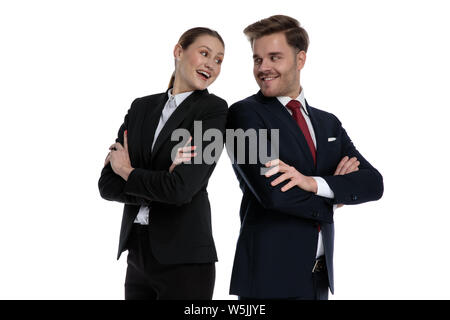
[(180, 87)]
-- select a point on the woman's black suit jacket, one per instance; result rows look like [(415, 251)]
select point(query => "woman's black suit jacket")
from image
[(180, 216)]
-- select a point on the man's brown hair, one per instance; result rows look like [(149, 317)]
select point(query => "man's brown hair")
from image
[(296, 36)]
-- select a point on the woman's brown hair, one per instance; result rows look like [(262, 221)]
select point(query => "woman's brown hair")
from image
[(189, 37)]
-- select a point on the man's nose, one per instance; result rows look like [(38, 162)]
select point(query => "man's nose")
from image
[(264, 66)]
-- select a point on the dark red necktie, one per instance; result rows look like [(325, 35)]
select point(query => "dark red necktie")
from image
[(295, 106)]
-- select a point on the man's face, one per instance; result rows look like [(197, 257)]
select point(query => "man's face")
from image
[(277, 66)]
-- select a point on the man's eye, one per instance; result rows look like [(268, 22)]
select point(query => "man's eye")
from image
[(218, 61), (257, 61), (204, 53), (275, 58)]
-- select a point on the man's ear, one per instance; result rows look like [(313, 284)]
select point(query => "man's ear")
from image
[(301, 59), (177, 52)]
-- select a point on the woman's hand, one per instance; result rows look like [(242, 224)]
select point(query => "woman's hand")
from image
[(120, 159), (184, 154), (108, 158)]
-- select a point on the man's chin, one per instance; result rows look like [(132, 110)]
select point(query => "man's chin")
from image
[(268, 92)]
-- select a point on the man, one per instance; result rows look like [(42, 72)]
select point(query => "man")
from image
[(285, 247)]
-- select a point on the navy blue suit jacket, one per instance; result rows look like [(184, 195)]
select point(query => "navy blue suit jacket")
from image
[(277, 245)]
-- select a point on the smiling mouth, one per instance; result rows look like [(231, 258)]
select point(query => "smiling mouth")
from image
[(204, 75), (268, 78)]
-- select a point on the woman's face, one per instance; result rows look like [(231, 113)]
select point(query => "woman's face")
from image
[(198, 65)]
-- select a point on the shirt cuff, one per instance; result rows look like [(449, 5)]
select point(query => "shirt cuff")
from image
[(323, 189)]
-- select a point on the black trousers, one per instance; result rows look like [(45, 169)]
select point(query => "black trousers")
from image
[(147, 279), (320, 280)]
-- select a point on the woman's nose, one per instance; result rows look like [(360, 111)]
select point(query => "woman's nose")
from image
[(208, 64)]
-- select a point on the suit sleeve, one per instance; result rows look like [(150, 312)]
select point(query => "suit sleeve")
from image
[(185, 180), (295, 201), (111, 185), (360, 186)]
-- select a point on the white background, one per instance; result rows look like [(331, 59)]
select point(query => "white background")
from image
[(70, 69)]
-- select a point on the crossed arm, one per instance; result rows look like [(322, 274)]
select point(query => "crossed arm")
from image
[(301, 200), (121, 182), (307, 183)]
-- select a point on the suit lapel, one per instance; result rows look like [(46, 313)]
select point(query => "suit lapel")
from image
[(319, 136), (174, 120), (150, 122), (278, 110)]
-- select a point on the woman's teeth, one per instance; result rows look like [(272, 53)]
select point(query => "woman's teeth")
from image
[(205, 74)]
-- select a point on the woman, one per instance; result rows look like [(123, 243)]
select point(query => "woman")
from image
[(166, 224)]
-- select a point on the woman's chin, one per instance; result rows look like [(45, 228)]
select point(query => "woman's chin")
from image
[(202, 86)]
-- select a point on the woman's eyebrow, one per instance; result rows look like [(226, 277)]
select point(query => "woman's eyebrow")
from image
[(209, 49)]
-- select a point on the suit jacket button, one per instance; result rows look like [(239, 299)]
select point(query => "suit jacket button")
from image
[(354, 197)]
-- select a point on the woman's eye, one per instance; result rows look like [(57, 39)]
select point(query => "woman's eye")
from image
[(204, 53), (218, 61)]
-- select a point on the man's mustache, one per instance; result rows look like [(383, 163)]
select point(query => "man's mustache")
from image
[(267, 74)]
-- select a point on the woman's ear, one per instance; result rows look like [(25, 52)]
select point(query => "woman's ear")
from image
[(177, 52)]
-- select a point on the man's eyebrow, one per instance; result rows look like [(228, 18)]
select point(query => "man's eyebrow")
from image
[(276, 53)]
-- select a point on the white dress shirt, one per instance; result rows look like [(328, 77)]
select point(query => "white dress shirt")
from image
[(323, 189), (172, 103)]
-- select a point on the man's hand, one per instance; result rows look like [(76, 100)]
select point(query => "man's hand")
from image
[(346, 165), (120, 159), (297, 179)]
